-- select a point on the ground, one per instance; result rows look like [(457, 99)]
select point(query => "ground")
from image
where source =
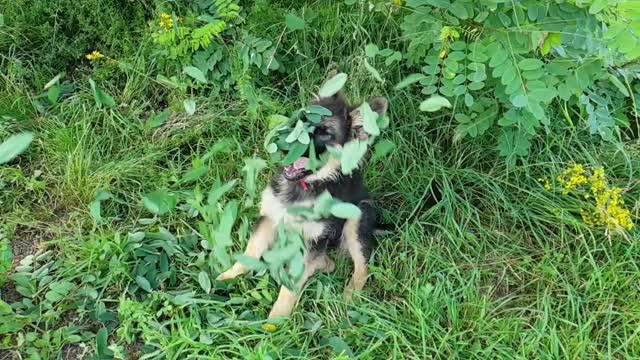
[(498, 267)]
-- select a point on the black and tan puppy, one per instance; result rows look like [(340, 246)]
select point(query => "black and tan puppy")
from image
[(296, 186)]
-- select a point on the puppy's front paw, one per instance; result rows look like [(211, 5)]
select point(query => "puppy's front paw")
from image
[(236, 270)]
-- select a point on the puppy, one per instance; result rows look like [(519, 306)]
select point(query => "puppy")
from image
[(296, 186)]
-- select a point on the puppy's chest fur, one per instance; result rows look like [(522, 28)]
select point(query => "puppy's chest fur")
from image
[(275, 208)]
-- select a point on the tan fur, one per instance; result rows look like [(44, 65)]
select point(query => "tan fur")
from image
[(260, 241), (351, 243), (286, 298)]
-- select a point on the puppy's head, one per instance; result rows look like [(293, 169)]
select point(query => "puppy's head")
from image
[(334, 131)]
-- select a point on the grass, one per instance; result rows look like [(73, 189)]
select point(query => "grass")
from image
[(499, 268)]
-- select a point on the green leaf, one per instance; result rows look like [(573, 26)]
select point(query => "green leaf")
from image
[(597, 6), (94, 210), (520, 101), (101, 97), (160, 202), (319, 110), (369, 118), (143, 283), (294, 22), (102, 338), (434, 103), (530, 64), (345, 210), (509, 75), (159, 119), (6, 256), (204, 281), (373, 71), (251, 263), (338, 345), (618, 84), (194, 174), (352, 153), (195, 73), (371, 50), (53, 94), (297, 149), (382, 149), (276, 120), (458, 9), (498, 58), (14, 146), (272, 148), (189, 106), (333, 85), (296, 132), (411, 79)]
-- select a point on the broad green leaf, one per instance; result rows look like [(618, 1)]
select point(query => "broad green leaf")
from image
[(159, 119), (143, 283), (102, 342), (296, 132), (204, 281), (434, 103), (618, 84), (520, 101), (530, 64), (458, 9), (369, 118), (333, 85), (352, 153), (276, 120), (94, 210), (189, 106), (251, 263), (101, 97), (345, 210), (53, 94), (272, 148), (195, 73), (381, 149), (304, 138), (194, 174), (160, 202), (319, 110), (597, 6), (509, 75), (371, 50), (498, 58), (411, 79), (297, 149), (14, 146), (294, 22), (338, 345)]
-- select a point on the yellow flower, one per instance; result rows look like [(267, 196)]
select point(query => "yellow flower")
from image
[(166, 21), (443, 54), (94, 56), (396, 3), (269, 327)]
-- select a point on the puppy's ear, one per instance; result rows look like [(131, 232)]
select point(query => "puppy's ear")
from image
[(377, 104)]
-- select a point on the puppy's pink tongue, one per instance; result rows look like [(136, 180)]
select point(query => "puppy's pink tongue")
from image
[(300, 163)]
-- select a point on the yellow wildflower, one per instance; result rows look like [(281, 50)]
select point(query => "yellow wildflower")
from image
[(166, 21), (443, 54), (94, 56), (571, 178), (269, 327), (608, 205), (396, 3), (448, 33)]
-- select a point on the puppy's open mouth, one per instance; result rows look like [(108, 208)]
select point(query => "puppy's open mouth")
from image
[(297, 170)]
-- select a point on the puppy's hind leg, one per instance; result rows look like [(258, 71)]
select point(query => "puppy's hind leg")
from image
[(287, 299), (358, 239), (260, 241)]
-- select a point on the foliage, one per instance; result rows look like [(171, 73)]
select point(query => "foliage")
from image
[(503, 65), (503, 265)]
